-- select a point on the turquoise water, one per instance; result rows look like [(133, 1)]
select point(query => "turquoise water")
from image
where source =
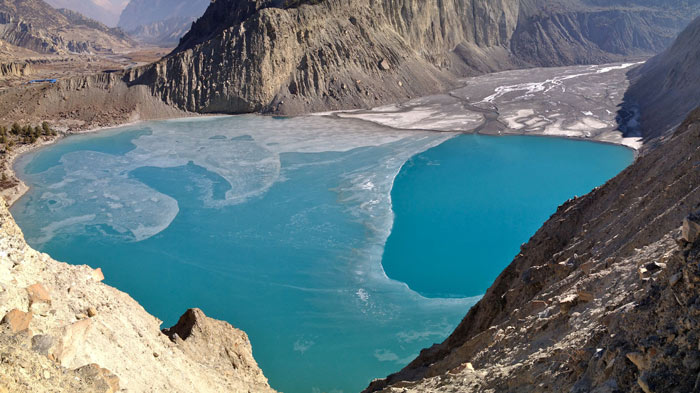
[(279, 226), (482, 197)]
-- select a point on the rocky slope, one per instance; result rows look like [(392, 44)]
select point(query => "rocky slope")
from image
[(64, 330), (603, 298), (665, 89), (596, 31), (83, 102), (35, 25), (104, 11), (292, 57), (160, 22)]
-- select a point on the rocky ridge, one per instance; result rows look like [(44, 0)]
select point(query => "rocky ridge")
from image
[(64, 330), (35, 25), (302, 56)]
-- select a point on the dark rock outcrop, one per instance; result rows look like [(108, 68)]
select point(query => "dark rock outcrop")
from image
[(292, 57), (218, 345)]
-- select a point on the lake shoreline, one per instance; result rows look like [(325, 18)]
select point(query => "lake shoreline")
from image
[(455, 113), (13, 194)]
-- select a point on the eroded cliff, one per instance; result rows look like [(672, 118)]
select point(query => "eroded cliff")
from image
[(301, 56)]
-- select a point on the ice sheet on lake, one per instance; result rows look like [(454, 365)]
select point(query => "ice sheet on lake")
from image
[(244, 151)]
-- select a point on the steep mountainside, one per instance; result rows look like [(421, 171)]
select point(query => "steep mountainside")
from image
[(300, 56), (604, 297), (665, 89), (35, 25), (104, 11), (161, 21)]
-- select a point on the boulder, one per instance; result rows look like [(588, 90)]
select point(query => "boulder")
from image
[(38, 294), (674, 279), (384, 65), (215, 344), (17, 320), (72, 338), (100, 378), (638, 360), (42, 344), (691, 228), (585, 296), (567, 303), (534, 307), (97, 274)]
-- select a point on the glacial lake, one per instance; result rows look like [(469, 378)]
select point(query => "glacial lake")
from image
[(283, 227)]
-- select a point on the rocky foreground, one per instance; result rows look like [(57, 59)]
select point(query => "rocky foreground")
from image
[(64, 330)]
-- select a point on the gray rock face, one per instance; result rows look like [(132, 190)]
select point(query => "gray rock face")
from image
[(294, 57), (666, 88)]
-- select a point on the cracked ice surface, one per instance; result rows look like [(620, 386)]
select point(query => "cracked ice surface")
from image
[(244, 151)]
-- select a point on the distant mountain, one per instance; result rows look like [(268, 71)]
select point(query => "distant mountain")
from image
[(35, 25), (161, 21), (105, 11), (297, 56), (667, 87)]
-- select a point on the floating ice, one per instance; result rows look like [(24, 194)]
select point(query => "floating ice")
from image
[(244, 151)]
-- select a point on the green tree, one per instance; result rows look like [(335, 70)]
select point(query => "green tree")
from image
[(46, 128), (16, 129)]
